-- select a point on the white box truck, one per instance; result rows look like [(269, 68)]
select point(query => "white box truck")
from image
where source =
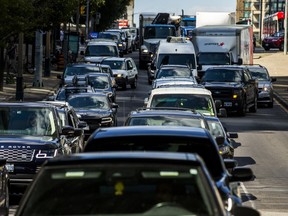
[(215, 18), (222, 45)]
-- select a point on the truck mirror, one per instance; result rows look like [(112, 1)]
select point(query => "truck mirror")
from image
[(199, 67), (240, 61)]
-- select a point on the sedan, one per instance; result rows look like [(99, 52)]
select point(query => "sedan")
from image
[(94, 108)]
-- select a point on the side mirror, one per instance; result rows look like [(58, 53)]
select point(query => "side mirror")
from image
[(78, 132), (232, 135), (82, 124), (242, 174), (240, 61), (115, 106), (220, 140), (273, 79), (218, 104), (222, 112), (68, 130), (199, 67)]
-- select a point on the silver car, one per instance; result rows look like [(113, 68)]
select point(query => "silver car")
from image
[(265, 84)]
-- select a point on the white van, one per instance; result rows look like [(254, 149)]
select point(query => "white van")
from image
[(176, 51)]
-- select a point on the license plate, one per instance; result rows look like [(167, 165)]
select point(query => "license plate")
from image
[(228, 104), (10, 167)]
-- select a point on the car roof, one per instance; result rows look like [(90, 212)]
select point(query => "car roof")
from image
[(181, 90), (115, 59), (25, 104), (174, 66), (102, 43), (152, 157), (85, 94)]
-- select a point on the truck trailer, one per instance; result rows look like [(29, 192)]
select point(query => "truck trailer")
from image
[(215, 18), (223, 45)]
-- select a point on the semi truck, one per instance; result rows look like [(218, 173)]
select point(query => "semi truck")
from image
[(222, 45), (150, 34)]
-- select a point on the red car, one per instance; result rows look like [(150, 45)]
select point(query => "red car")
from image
[(276, 40)]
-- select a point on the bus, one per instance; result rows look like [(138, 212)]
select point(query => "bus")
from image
[(273, 23)]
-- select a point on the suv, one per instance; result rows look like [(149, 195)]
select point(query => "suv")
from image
[(195, 98), (233, 86), (30, 134), (275, 40)]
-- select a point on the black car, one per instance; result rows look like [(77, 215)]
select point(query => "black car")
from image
[(94, 108), (173, 139), (125, 183), (233, 86), (69, 118), (30, 134), (103, 82)]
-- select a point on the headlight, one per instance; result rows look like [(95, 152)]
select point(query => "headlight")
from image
[(237, 93), (119, 75), (106, 120), (266, 88), (144, 50), (120, 45), (224, 150), (50, 153)]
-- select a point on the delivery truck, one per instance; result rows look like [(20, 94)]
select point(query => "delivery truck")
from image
[(215, 18), (222, 45)]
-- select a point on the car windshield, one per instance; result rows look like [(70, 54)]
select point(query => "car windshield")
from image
[(115, 65), (200, 103), (101, 50), (259, 73), (158, 32), (220, 75), (127, 189), (89, 102), (178, 59), (214, 59), (64, 93), (175, 72), (99, 82), (27, 121), (71, 71), (106, 35), (160, 120)]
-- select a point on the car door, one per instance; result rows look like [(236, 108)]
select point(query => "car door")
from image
[(249, 87), (130, 68)]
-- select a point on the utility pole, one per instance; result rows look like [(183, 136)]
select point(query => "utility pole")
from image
[(285, 27), (38, 59), (19, 78), (87, 18)]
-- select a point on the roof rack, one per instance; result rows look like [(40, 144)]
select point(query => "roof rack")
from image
[(182, 85), (166, 108)]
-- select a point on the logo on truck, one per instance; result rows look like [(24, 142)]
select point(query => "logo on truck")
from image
[(214, 44)]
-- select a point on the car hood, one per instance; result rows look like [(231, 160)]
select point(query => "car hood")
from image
[(94, 59), (271, 38), (222, 84), (28, 142), (115, 72)]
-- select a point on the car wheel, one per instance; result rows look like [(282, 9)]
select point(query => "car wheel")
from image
[(281, 48), (124, 85), (134, 84), (254, 107), (270, 104)]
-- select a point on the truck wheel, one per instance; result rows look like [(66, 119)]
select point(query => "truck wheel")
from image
[(254, 107), (242, 111)]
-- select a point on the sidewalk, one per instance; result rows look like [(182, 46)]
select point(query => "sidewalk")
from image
[(277, 65), (50, 84)]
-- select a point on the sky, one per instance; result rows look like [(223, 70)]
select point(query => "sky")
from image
[(190, 7)]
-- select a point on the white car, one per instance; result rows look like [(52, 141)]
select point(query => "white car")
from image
[(194, 98), (124, 71)]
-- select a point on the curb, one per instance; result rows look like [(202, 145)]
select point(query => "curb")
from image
[(280, 100)]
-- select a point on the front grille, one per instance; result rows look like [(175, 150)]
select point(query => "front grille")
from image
[(17, 155), (221, 93)]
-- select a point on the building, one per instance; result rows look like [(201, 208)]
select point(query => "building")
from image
[(255, 11)]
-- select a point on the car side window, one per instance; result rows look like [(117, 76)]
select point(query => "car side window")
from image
[(129, 65), (246, 76)]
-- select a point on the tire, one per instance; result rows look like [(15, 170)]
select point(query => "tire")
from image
[(242, 111), (270, 104), (281, 48), (253, 109), (124, 85), (134, 84)]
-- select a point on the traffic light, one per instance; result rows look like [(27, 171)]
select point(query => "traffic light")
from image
[(82, 10)]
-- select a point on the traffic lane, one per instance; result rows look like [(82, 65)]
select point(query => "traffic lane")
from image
[(263, 146)]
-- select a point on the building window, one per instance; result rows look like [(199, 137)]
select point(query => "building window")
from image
[(247, 5), (247, 14)]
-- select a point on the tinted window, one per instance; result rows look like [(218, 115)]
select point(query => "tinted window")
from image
[(259, 73), (177, 59), (101, 50), (158, 32), (71, 71), (169, 72), (213, 59), (222, 75)]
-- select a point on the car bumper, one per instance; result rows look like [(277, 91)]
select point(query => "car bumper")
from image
[(265, 97), (231, 105)]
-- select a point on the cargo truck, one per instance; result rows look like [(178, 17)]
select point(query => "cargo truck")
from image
[(222, 45), (214, 18)]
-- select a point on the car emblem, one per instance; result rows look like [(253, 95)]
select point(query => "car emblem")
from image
[(217, 92)]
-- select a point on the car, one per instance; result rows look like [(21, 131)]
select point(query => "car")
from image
[(114, 36), (275, 40), (197, 98), (97, 50), (166, 116), (265, 84), (125, 183), (31, 133), (69, 118), (94, 108), (125, 71), (216, 128), (233, 86), (75, 70), (174, 139), (174, 71), (126, 38), (102, 82), (174, 82)]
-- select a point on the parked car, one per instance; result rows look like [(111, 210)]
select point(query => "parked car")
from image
[(31, 133), (125, 71), (265, 84), (102, 82), (233, 86), (275, 40), (94, 108), (128, 183), (173, 139)]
